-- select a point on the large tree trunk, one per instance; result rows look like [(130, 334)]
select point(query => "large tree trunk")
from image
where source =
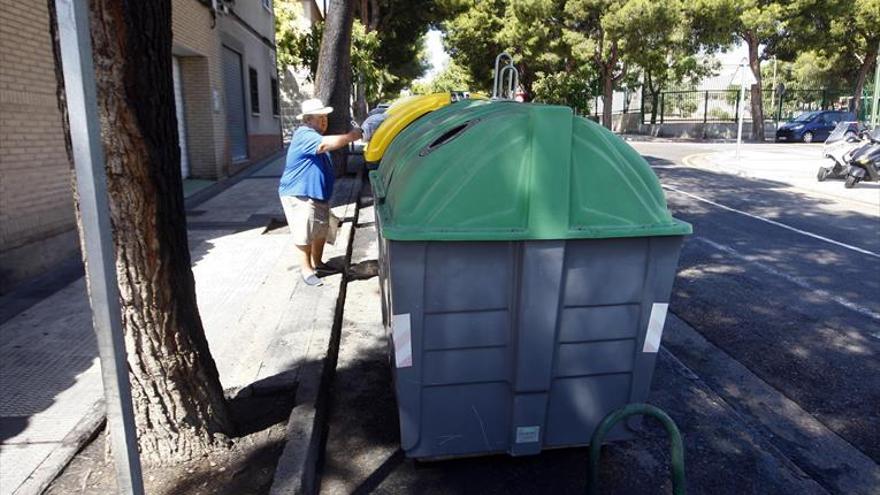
[(756, 92), (870, 59), (179, 405), (333, 79), (607, 95)]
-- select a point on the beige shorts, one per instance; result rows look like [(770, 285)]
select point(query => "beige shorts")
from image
[(308, 219)]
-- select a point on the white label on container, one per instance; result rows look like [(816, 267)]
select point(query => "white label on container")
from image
[(655, 327), (402, 337), (527, 434)]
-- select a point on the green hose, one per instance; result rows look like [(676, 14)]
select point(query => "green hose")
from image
[(677, 449)]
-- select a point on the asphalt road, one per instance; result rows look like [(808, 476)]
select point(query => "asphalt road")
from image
[(796, 301), (770, 363)]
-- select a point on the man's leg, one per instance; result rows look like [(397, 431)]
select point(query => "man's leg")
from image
[(317, 251), (304, 253)]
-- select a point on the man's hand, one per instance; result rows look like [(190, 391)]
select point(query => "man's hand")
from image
[(335, 142)]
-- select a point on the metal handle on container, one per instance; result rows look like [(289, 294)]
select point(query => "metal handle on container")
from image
[(497, 84)]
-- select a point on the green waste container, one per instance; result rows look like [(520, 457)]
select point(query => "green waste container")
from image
[(526, 261)]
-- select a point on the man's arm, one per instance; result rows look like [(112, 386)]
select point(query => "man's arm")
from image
[(336, 141)]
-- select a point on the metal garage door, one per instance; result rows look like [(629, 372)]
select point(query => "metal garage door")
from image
[(236, 125), (181, 119)]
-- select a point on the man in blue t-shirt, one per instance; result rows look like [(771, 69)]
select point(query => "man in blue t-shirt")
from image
[(307, 184)]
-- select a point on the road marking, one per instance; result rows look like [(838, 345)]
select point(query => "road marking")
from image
[(824, 294), (774, 222), (688, 162)]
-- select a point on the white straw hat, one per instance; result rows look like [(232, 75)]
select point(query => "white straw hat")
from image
[(314, 106)]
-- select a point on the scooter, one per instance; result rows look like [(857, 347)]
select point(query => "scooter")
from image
[(864, 163), (846, 138)]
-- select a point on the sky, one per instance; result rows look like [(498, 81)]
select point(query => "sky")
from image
[(437, 56)]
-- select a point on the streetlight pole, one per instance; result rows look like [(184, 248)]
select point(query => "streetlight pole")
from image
[(742, 101), (773, 93), (875, 112), (91, 183)]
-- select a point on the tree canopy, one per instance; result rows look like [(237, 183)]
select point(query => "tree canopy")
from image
[(569, 51)]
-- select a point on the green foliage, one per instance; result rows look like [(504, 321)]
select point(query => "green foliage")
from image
[(720, 114), (565, 88), (471, 39), (453, 77), (296, 45), (365, 65), (564, 48), (810, 70), (401, 26), (664, 43), (386, 58)]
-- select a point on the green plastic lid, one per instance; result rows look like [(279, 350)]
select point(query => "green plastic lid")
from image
[(501, 170)]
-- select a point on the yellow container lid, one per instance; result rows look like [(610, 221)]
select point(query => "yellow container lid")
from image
[(400, 114)]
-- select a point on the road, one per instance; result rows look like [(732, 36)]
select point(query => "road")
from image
[(786, 281), (770, 362)]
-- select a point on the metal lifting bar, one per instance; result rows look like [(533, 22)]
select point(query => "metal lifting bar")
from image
[(497, 85), (512, 81)]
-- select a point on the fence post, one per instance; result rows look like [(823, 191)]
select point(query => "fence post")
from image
[(779, 109), (662, 105), (736, 112), (706, 109), (642, 106)]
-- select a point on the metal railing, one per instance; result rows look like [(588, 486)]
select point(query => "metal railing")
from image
[(723, 105)]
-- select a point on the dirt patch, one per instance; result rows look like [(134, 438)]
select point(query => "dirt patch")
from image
[(247, 467)]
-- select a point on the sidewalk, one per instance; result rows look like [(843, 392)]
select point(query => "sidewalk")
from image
[(261, 322), (793, 165)]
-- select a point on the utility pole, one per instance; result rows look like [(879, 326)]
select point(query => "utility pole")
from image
[(773, 93), (742, 97), (91, 180), (875, 112)]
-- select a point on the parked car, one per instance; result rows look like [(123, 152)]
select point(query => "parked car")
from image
[(812, 126)]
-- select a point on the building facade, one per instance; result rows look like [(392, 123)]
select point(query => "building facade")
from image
[(228, 113), (250, 79)]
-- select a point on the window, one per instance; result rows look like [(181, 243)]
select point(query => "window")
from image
[(267, 4), (255, 91), (276, 108)]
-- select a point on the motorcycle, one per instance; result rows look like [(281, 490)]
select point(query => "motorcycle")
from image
[(864, 162), (843, 140)]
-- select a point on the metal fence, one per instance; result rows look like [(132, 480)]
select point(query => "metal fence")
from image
[(723, 105)]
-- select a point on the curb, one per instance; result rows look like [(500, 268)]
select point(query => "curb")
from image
[(85, 430), (296, 472)]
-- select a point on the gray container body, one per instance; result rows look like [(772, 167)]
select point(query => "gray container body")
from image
[(520, 346)]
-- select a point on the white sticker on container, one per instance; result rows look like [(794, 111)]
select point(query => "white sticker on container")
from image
[(527, 434), (655, 327), (402, 337)]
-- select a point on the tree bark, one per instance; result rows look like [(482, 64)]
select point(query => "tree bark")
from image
[(608, 81), (607, 97), (870, 59), (180, 409), (333, 79), (756, 92)]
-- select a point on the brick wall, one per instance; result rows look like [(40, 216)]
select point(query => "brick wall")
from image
[(198, 48), (36, 202), (263, 145)]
